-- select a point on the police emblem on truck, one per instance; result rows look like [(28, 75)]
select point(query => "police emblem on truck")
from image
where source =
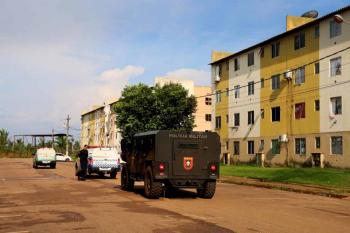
[(188, 163)]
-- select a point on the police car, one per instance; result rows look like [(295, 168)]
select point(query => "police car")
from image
[(101, 161)]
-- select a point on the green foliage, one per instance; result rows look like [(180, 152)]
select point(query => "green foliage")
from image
[(4, 140), (20, 149), (143, 108), (60, 144), (316, 176)]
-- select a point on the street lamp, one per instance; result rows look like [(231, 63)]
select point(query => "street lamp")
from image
[(339, 19)]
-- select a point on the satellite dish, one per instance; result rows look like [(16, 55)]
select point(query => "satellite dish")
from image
[(310, 14)]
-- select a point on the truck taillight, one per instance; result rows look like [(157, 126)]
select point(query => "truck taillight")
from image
[(90, 161), (161, 167), (213, 167)]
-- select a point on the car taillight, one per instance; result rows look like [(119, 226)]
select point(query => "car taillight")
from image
[(161, 167), (213, 167), (90, 161)]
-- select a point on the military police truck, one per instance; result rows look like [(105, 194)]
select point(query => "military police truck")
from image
[(168, 160)]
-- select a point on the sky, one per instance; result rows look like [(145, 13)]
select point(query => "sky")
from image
[(62, 57)]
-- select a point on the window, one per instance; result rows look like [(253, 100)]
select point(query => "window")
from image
[(227, 118), (262, 113), (236, 64), (236, 120), (236, 148), (218, 122), (262, 52), (250, 117), (207, 101), (336, 105), (317, 68), (275, 147), (227, 92), (187, 145), (207, 117), (275, 112), (251, 88), (337, 145), (317, 142), (220, 70), (275, 82), (262, 83), (250, 58), (334, 29), (227, 145), (218, 96), (300, 146), (262, 145), (317, 31), (299, 110), (237, 91), (251, 147), (335, 66), (275, 49), (299, 40), (317, 105), (300, 75)]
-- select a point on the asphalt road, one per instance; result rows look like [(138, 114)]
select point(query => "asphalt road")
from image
[(52, 200)]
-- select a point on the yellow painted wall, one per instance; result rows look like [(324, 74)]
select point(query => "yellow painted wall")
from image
[(221, 109), (217, 55), (296, 21), (289, 93)]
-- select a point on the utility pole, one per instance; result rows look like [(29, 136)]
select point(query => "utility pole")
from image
[(67, 134), (53, 139)]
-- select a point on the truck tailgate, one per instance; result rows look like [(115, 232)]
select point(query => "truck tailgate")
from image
[(187, 160)]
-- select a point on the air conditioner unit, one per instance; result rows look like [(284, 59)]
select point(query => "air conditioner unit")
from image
[(288, 75), (283, 138), (217, 78)]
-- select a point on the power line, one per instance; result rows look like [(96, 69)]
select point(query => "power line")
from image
[(283, 73), (288, 95)]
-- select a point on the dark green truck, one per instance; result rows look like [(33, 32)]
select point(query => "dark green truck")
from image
[(165, 160)]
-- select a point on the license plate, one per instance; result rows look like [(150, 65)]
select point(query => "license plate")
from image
[(46, 161)]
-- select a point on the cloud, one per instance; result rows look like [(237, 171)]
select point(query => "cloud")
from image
[(114, 80), (200, 77), (121, 74)]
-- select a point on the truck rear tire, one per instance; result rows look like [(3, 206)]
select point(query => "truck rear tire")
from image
[(208, 190), (126, 182), (152, 188)]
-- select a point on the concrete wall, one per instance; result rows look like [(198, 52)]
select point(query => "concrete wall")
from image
[(334, 86), (245, 102), (202, 108), (221, 108)]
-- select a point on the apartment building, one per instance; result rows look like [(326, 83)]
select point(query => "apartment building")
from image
[(98, 127), (285, 97), (203, 115)]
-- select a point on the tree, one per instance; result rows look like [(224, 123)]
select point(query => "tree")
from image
[(60, 144), (4, 140), (142, 108)]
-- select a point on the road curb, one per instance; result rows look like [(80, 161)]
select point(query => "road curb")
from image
[(306, 189)]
